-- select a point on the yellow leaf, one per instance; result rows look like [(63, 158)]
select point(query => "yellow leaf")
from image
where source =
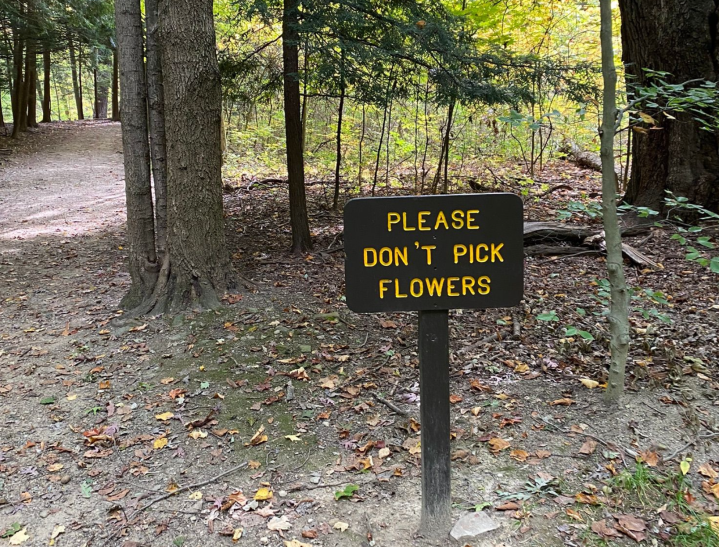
[(293, 438), (167, 381), (685, 465), (254, 464), (72, 397), (59, 529), (714, 522), (521, 368), (195, 496), (263, 494), (197, 434), (296, 543), (164, 416), (646, 118), (160, 443), (20, 537), (237, 534), (476, 410), (589, 384), (55, 467), (341, 526)]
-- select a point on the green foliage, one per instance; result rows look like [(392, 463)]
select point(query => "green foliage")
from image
[(347, 492)]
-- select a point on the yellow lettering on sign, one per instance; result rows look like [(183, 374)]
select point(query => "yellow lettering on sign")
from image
[(450, 286), (459, 250), (396, 290), (404, 224), (467, 285), (382, 288), (470, 219), (481, 258), (421, 220), (416, 288), (385, 256), (483, 285), (392, 218), (369, 251), (441, 219), (495, 252), (434, 286), (429, 249), (457, 220)]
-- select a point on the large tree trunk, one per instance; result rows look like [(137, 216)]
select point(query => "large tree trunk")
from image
[(301, 240), (679, 37), (142, 261), (196, 268), (46, 110), (156, 104), (75, 82), (115, 88)]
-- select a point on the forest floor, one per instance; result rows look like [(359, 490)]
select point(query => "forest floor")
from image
[(122, 435)]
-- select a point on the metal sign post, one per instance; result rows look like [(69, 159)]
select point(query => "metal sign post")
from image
[(432, 254)]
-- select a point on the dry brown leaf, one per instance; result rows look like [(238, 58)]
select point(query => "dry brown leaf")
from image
[(454, 399), (650, 458), (497, 445), (589, 446), (707, 470), (519, 455), (562, 402)]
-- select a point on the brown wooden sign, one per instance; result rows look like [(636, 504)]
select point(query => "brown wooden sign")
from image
[(434, 252)]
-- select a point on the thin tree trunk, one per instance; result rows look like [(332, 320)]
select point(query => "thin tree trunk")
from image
[(31, 77), (618, 313), (305, 98), (142, 261), (17, 88), (156, 103), (79, 81), (95, 101), (338, 163), (46, 106), (75, 85), (447, 136), (115, 88), (9, 66), (197, 267), (301, 240)]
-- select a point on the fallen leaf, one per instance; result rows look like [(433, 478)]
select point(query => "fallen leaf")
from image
[(571, 513), (292, 438), (341, 526), (278, 524), (714, 523), (309, 534), (384, 452), (55, 467), (589, 384), (195, 496), (237, 534), (630, 522), (519, 455), (160, 443), (541, 454), (707, 470), (600, 528), (650, 458), (589, 446), (454, 399), (118, 495), (20, 537), (497, 445), (253, 464), (56, 531), (197, 434), (507, 506), (296, 543), (263, 494), (562, 402), (71, 397), (164, 416)]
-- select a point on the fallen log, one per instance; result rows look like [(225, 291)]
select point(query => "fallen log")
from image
[(588, 160)]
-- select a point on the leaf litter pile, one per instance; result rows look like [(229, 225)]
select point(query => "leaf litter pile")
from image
[(283, 419)]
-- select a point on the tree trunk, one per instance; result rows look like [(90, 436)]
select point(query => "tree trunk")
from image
[(95, 99), (679, 38), (196, 268), (115, 88), (142, 261), (31, 77), (301, 240), (618, 312), (46, 110), (338, 163), (156, 104), (75, 84)]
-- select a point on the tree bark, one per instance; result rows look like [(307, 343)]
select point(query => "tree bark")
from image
[(46, 106), (31, 77), (680, 38), (115, 88), (301, 240), (196, 268), (142, 263), (75, 84), (338, 162), (156, 104), (618, 311)]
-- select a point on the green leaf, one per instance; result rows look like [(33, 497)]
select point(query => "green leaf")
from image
[(704, 240), (86, 489), (714, 265), (15, 527), (586, 335), (548, 316), (204, 385), (581, 311), (570, 331), (348, 492), (47, 401), (481, 506)]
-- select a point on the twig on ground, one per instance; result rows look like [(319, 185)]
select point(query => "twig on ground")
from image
[(390, 405), (653, 408), (185, 489), (516, 325), (690, 444), (365, 340), (309, 452)]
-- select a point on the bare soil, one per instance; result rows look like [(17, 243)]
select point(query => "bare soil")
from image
[(97, 413)]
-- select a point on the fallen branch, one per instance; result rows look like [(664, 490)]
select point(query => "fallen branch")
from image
[(185, 489), (690, 444), (390, 405)]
